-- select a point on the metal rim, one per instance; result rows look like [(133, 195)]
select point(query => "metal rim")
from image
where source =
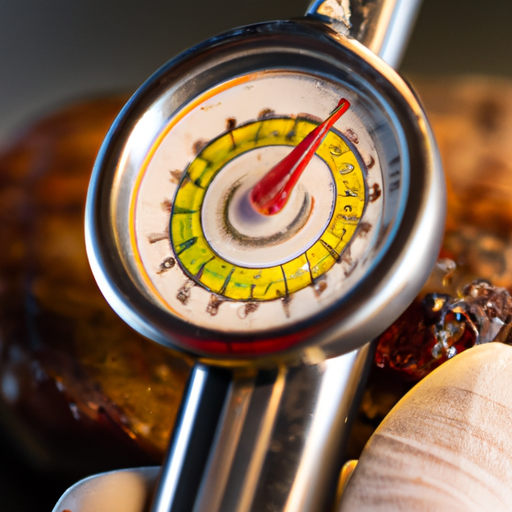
[(382, 295)]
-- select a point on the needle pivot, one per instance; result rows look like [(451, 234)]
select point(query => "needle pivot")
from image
[(270, 195)]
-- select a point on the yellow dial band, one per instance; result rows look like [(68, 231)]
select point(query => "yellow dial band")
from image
[(232, 281)]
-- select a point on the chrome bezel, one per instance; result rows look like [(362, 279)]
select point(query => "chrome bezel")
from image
[(409, 245)]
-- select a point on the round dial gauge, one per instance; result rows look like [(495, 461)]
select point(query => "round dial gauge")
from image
[(189, 260), (209, 257)]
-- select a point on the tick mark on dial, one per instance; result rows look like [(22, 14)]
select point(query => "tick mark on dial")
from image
[(349, 271), (285, 301), (247, 309), (166, 205), (363, 229), (184, 292), (285, 280), (178, 210), (213, 306), (394, 186), (394, 160), (331, 251), (226, 282), (266, 113), (157, 237), (293, 132), (199, 145), (166, 265), (176, 176), (309, 268), (375, 193), (351, 136), (319, 287), (347, 256), (186, 245), (230, 125), (201, 269)]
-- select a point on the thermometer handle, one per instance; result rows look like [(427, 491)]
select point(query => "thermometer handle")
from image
[(275, 438)]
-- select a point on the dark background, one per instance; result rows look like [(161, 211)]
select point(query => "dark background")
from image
[(53, 52)]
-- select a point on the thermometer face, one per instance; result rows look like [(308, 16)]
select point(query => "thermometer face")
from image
[(205, 254), (178, 248)]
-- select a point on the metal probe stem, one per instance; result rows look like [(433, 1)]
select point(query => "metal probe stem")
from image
[(278, 441)]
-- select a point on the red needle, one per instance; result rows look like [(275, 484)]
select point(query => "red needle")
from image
[(270, 195)]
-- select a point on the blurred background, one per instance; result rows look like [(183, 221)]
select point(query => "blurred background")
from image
[(55, 52)]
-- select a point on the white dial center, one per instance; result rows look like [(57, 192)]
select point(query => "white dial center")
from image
[(242, 236)]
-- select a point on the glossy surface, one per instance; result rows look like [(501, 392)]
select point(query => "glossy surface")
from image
[(383, 26), (271, 194), (254, 272), (446, 319), (171, 306), (440, 326)]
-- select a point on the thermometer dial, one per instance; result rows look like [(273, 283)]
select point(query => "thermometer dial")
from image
[(209, 257), (189, 259)]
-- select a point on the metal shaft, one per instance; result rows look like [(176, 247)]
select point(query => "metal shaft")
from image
[(383, 26), (277, 445), (191, 440)]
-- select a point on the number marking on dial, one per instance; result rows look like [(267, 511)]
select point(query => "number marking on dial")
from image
[(245, 283)]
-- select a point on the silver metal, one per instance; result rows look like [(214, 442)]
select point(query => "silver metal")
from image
[(169, 475), (383, 26), (279, 444), (412, 220)]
